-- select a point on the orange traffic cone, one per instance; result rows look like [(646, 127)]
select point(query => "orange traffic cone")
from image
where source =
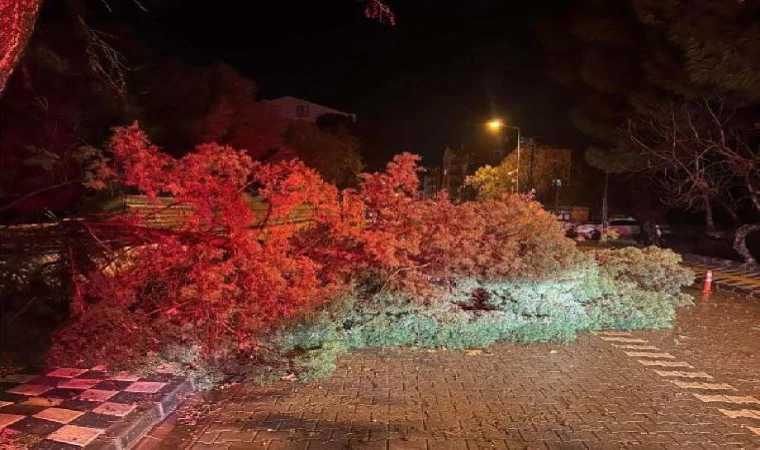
[(707, 287)]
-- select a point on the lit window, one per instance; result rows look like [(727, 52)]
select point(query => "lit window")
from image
[(302, 111)]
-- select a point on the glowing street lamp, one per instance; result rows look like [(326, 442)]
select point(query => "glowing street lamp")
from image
[(496, 125)]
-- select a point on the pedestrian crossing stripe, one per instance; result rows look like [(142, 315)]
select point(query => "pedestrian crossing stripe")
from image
[(654, 362), (748, 413), (678, 373), (726, 398), (706, 386), (649, 355)]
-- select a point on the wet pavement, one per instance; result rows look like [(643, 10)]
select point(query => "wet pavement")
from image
[(694, 386)]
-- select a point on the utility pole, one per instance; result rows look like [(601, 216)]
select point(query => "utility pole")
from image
[(533, 148), (605, 202), (518, 159)]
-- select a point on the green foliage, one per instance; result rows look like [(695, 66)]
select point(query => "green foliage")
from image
[(624, 306), (719, 39), (617, 289), (651, 269), (538, 167)]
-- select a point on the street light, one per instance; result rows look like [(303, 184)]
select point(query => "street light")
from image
[(496, 125)]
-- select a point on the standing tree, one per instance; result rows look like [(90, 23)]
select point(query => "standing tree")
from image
[(540, 165), (676, 82), (334, 153), (704, 151), (186, 106)]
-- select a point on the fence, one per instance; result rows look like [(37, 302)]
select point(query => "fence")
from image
[(164, 212), (161, 212)]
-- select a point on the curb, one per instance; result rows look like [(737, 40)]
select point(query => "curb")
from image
[(124, 435), (706, 262), (722, 286)]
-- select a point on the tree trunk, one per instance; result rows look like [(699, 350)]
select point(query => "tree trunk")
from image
[(17, 18), (740, 244), (709, 220), (754, 191), (734, 217)]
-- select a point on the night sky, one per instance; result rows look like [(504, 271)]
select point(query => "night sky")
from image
[(427, 82)]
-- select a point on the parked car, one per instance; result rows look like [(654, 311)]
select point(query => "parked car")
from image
[(625, 228), (587, 230)]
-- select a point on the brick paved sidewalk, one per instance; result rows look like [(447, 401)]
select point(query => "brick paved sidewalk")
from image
[(695, 386)]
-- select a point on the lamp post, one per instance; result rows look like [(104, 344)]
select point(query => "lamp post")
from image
[(496, 125)]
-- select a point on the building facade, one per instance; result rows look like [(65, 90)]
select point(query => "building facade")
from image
[(292, 108)]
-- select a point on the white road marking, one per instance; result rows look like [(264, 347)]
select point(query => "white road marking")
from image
[(635, 347), (678, 373), (749, 413), (726, 398), (623, 339), (649, 355), (655, 362), (699, 385), (612, 333)]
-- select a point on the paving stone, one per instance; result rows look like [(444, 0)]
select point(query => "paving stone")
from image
[(66, 372), (62, 393), (24, 409), (76, 435), (8, 419), (125, 376), (114, 409), (95, 420), (33, 425), (96, 395), (112, 385), (17, 378), (42, 401), (59, 415), (79, 383), (145, 387), (47, 444), (79, 405), (30, 389)]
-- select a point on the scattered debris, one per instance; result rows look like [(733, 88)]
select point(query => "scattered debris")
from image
[(289, 377)]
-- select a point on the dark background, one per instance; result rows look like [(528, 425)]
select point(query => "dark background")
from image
[(428, 82)]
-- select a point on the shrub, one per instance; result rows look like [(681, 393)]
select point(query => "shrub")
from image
[(651, 269)]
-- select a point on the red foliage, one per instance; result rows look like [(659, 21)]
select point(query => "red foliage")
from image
[(218, 280), (17, 19), (380, 11)]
